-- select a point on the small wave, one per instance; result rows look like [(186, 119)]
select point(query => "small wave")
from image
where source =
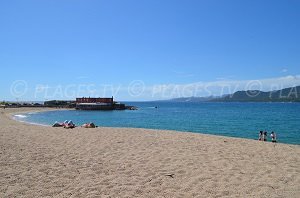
[(38, 124), (21, 116), (33, 123)]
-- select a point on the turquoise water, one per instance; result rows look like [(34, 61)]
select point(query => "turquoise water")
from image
[(226, 119)]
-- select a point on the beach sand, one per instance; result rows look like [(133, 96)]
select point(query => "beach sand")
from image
[(39, 161)]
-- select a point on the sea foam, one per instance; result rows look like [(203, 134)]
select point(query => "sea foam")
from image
[(21, 116)]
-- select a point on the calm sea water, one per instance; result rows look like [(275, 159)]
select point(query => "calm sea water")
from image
[(226, 119)]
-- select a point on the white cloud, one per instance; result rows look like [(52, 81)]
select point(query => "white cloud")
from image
[(217, 88), (139, 90)]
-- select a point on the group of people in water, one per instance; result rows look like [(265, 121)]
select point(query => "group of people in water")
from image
[(263, 136), (68, 124)]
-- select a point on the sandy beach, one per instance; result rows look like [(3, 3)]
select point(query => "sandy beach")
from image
[(40, 161)]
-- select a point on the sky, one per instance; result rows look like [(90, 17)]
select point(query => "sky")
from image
[(146, 50)]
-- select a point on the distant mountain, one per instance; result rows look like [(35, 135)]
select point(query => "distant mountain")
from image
[(291, 94), (193, 99)]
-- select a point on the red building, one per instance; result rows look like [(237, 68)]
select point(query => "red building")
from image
[(98, 104), (95, 100)]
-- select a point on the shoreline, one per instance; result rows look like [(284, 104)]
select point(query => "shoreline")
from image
[(33, 110), (36, 110), (38, 161)]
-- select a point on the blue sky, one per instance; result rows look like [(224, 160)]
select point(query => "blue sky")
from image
[(128, 48)]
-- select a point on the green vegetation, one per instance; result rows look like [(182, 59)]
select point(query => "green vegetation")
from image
[(291, 94), (4, 103), (60, 103)]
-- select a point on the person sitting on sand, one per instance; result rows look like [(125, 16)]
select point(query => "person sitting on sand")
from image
[(260, 136), (273, 137)]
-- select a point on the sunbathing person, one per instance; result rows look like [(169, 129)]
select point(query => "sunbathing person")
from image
[(69, 125), (57, 124), (89, 125)]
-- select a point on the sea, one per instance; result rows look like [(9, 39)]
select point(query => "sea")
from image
[(234, 119)]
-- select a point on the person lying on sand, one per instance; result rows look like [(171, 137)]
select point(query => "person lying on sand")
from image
[(57, 124), (69, 125), (89, 125)]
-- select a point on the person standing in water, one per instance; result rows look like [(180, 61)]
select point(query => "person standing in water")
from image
[(273, 136), (260, 136), (265, 136)]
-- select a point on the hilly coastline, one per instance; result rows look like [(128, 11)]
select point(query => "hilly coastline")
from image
[(291, 94)]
